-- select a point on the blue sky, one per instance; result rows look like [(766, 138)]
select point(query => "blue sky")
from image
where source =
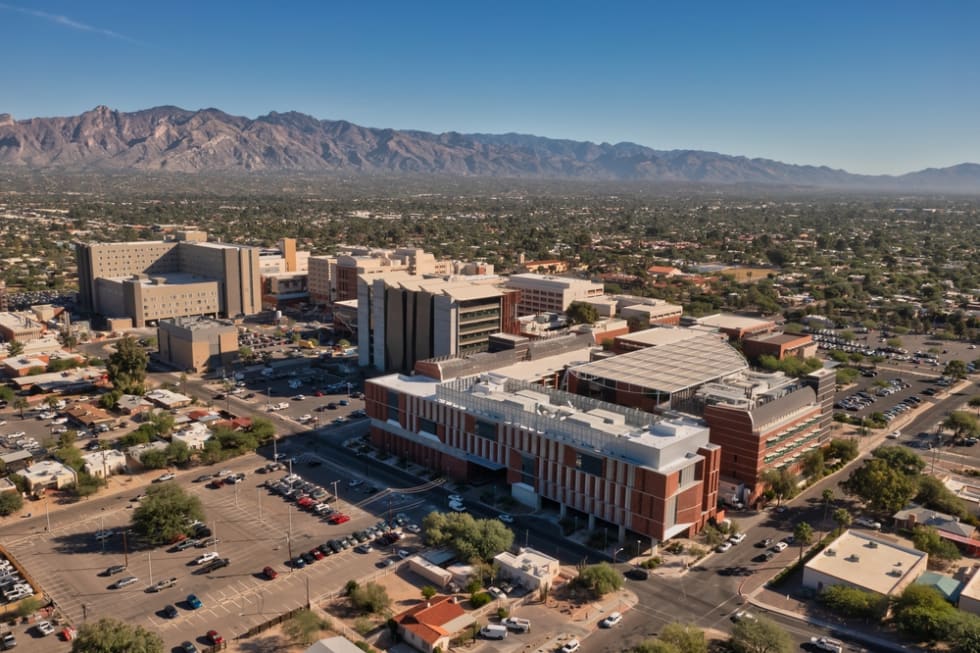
[(871, 86)]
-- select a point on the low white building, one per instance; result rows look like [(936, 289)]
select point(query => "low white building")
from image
[(529, 568), (49, 474), (105, 463), (333, 645), (194, 436), (865, 562), (167, 399)]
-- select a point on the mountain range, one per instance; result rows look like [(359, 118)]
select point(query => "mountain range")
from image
[(169, 138)]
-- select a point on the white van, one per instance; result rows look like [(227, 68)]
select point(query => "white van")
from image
[(494, 631)]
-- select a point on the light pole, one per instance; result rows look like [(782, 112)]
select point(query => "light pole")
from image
[(47, 515), (149, 564), (336, 497), (616, 553), (289, 514), (275, 448), (258, 501)]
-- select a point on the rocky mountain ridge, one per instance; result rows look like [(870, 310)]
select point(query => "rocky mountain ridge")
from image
[(169, 138)]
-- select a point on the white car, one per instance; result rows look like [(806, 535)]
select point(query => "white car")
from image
[(894, 435), (124, 582), (104, 535), (827, 644), (571, 646), (404, 553), (44, 628), (497, 593), (504, 517), (610, 621), (724, 546), (166, 477), (206, 557), (455, 498), (457, 507), (868, 523), (778, 547), (305, 418), (737, 538)]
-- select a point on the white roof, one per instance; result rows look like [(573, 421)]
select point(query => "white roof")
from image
[(869, 562), (657, 336)]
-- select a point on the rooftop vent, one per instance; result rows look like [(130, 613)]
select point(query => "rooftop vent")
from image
[(831, 552), (853, 558)]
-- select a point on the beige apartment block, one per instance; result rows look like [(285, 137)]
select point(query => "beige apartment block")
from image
[(551, 294), (197, 344)]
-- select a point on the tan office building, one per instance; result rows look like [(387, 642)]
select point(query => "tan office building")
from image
[(148, 281), (197, 344)]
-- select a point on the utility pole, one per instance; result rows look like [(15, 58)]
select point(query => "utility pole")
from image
[(258, 500), (149, 564)]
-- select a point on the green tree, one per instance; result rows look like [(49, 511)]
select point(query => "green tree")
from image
[(20, 405), (262, 429), (113, 636), (154, 459), (304, 627), (962, 424), (843, 449), (7, 394), (468, 537), (127, 366), (684, 638), (955, 369), (166, 512), (975, 403), (881, 486), (842, 518), (901, 459), (110, 400), (178, 453), (428, 591), (15, 348), (923, 613), (926, 538), (803, 533), (10, 502), (936, 496), (827, 495), (600, 579), (813, 464), (370, 597), (781, 483), (582, 313), (759, 635)]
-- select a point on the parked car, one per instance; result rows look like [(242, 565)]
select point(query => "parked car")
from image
[(170, 611), (827, 644), (613, 619), (868, 523), (194, 602), (161, 585), (125, 581), (571, 646), (114, 569), (206, 557), (270, 573), (724, 546), (506, 518), (44, 628), (517, 624), (166, 477), (737, 538), (214, 638)]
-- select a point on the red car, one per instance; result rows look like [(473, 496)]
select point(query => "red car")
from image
[(339, 518), (318, 393), (306, 502), (270, 573), (215, 638), (317, 553)]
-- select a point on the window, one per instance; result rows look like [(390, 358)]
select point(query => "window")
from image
[(427, 425), (527, 470), (486, 430), (588, 464)]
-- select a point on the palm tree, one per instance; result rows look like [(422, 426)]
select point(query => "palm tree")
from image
[(843, 519), (803, 533), (828, 496), (20, 404)]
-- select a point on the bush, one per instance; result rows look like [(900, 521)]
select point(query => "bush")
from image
[(363, 625), (652, 563), (480, 599), (364, 646), (10, 502), (502, 613), (600, 579), (853, 602)]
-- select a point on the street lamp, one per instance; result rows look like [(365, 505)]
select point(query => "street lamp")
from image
[(616, 553)]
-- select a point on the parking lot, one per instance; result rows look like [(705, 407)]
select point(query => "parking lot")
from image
[(255, 529)]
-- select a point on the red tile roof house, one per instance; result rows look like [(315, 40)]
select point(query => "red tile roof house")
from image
[(432, 624)]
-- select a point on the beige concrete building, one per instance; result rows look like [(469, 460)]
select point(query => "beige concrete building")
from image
[(105, 463), (20, 327), (550, 294), (197, 344), (865, 562), (48, 474), (970, 594), (147, 281), (322, 271), (529, 568)]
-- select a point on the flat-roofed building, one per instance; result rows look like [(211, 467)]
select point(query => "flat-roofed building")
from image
[(105, 463), (970, 593), (779, 345), (20, 327), (150, 280), (528, 568), (865, 562), (167, 399), (736, 327), (655, 476), (550, 294), (321, 279), (48, 474), (408, 318), (197, 344), (762, 421)]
